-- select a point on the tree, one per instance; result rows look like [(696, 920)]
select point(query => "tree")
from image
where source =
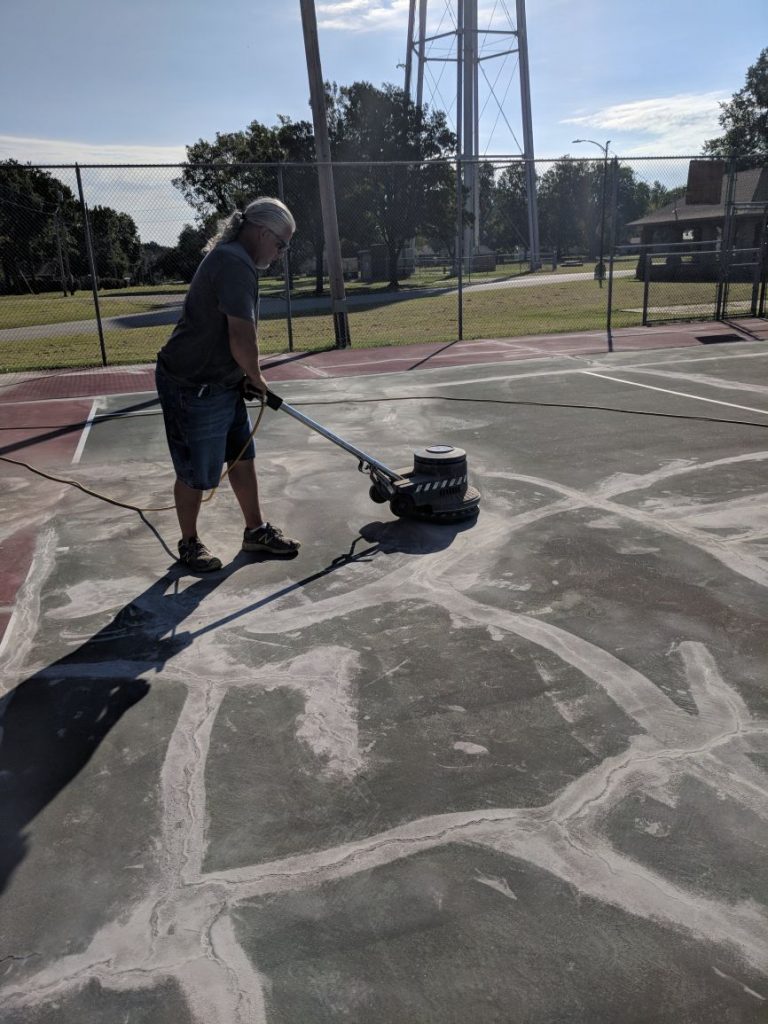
[(151, 259), (504, 209), (660, 195), (566, 201), (183, 260), (571, 204), (633, 200), (38, 215), (302, 192), (236, 167), (389, 202), (212, 181), (744, 118), (365, 124), (116, 242)]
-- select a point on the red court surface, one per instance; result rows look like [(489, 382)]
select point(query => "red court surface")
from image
[(45, 434), (48, 432), (57, 384)]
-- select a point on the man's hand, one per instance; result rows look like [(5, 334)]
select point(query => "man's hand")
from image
[(255, 386)]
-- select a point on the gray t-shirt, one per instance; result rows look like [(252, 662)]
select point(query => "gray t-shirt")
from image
[(225, 284)]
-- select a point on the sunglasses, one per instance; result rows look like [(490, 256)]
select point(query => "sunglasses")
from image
[(282, 245)]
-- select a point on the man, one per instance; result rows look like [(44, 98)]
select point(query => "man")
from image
[(212, 352)]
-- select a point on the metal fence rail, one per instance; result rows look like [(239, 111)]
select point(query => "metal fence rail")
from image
[(95, 260)]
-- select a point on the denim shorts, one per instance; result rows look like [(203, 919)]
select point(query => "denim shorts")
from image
[(205, 427)]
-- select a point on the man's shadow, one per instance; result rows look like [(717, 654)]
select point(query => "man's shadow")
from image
[(52, 723)]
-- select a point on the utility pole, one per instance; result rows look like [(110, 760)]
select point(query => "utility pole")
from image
[(600, 268), (325, 175)]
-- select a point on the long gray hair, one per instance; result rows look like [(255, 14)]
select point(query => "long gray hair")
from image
[(266, 211)]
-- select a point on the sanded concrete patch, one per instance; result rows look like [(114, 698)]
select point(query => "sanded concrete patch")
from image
[(496, 772), (699, 841), (426, 717), (598, 576), (467, 934), (162, 1004)]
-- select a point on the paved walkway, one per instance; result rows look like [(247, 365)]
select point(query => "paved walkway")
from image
[(274, 305)]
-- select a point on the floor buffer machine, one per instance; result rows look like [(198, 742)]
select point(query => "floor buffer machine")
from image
[(435, 489)]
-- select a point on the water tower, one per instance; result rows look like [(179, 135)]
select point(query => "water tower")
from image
[(459, 39)]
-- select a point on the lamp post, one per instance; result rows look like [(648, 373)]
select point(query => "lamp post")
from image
[(604, 149)]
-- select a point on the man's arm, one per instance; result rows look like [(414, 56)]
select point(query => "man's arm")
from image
[(244, 346)]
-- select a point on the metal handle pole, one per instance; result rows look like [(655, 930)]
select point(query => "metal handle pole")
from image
[(275, 402)]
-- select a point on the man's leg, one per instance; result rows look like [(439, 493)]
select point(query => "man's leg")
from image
[(258, 535), (192, 552), (188, 502), (242, 477)]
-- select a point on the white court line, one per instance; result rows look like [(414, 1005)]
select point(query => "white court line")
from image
[(561, 372), (86, 431), (678, 394), (314, 369), (6, 640)]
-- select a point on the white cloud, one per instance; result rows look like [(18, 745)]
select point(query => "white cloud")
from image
[(677, 124), (363, 15), (70, 151), (146, 193), (383, 15)]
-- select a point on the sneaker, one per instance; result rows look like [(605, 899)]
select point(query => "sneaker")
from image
[(268, 538), (196, 556)]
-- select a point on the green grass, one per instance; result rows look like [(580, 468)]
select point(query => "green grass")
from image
[(54, 308), (562, 306)]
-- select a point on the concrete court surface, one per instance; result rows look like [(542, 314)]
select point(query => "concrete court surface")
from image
[(511, 772)]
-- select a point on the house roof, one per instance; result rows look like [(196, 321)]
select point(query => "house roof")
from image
[(751, 187)]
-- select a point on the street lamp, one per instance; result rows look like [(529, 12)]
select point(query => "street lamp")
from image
[(604, 150)]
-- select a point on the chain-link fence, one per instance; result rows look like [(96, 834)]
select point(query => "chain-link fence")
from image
[(95, 260)]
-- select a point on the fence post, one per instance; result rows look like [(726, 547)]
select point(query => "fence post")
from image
[(460, 248), (647, 260), (91, 264), (612, 248), (726, 244), (286, 265)]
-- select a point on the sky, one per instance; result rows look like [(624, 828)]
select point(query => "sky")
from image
[(112, 81)]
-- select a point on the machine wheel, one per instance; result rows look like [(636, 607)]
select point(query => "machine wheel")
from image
[(376, 495), (402, 505)]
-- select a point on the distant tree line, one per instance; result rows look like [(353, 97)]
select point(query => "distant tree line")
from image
[(42, 239)]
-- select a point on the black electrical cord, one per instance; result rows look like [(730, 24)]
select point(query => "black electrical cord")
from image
[(361, 401), (541, 405)]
